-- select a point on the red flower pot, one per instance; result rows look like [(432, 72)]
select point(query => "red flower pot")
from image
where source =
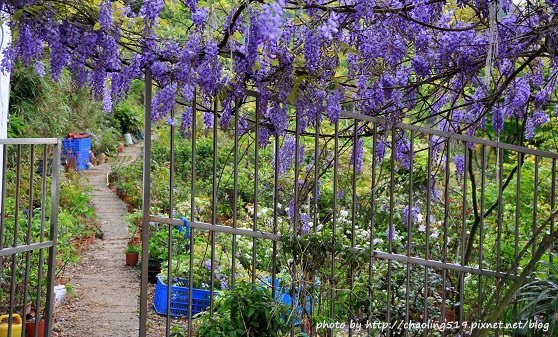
[(132, 259), (31, 326)]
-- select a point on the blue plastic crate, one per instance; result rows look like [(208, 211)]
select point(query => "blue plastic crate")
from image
[(179, 299), (71, 145), (283, 295), (81, 159)]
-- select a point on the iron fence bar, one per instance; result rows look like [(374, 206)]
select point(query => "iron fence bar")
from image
[(38, 314), (146, 203), (552, 206), (517, 205), (28, 141), (391, 229), (28, 237), (14, 244), (481, 227), (445, 229), (409, 225), (170, 235), (463, 235), (535, 201), (500, 165), (25, 248), (316, 214), (55, 190), (193, 214), (296, 213), (213, 208), (3, 200), (377, 254), (372, 223), (353, 219), (334, 220), (427, 231), (235, 196), (275, 215), (256, 182), (450, 135)]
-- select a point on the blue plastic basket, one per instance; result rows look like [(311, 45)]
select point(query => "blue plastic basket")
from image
[(283, 295), (179, 299), (78, 150), (71, 145)]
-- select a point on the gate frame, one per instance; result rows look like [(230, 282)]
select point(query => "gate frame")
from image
[(148, 219)]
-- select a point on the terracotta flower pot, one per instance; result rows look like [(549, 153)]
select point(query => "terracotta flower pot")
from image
[(132, 259), (31, 326), (136, 240)]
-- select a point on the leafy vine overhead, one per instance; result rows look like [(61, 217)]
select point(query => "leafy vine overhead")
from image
[(460, 65)]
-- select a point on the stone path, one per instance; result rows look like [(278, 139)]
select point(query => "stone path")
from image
[(105, 291)]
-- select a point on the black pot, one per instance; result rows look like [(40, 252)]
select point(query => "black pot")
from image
[(153, 269)]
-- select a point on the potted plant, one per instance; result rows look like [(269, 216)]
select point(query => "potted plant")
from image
[(31, 325), (132, 255)]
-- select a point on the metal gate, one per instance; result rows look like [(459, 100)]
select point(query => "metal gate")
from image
[(30, 179), (449, 229)]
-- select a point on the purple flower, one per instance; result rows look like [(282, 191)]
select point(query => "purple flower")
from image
[(105, 14), (415, 215), (305, 221), (459, 162), (358, 150), (150, 9), (391, 233)]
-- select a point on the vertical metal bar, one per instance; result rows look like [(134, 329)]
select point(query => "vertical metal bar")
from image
[(146, 203), (517, 207), (192, 215), (427, 222), (41, 239), (256, 182), (517, 219), (213, 207), (275, 216), (170, 227), (296, 228), (49, 305), (535, 202), (334, 222), (499, 224), (3, 201), (481, 230), (235, 195), (316, 214), (15, 243), (391, 230), (446, 222), (353, 218), (409, 226), (552, 205), (372, 225), (28, 236), (463, 234)]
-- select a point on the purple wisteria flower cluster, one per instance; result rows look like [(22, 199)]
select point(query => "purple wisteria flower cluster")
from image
[(429, 61)]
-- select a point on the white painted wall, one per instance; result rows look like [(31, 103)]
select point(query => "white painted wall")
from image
[(5, 39)]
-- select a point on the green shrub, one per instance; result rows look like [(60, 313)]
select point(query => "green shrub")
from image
[(247, 310)]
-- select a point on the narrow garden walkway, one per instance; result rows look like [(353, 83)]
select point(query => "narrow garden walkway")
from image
[(104, 298)]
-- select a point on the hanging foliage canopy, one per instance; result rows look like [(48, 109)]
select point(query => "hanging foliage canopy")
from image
[(460, 65)]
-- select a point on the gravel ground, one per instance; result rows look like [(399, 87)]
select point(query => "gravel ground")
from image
[(104, 300)]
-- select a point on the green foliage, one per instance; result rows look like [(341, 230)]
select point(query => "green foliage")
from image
[(538, 299), (126, 118), (40, 107), (133, 249), (247, 310)]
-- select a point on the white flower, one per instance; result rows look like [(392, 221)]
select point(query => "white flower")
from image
[(435, 234), (422, 228), (420, 217), (343, 213)]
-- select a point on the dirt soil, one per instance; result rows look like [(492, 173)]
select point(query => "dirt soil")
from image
[(104, 297)]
